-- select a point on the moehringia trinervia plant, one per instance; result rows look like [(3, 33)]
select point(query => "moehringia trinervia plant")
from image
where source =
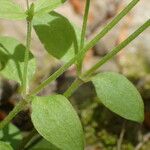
[(53, 116)]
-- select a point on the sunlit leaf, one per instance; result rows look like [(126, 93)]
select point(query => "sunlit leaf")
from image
[(45, 6), (12, 59), (56, 120), (5, 146), (10, 10), (59, 37), (119, 95)]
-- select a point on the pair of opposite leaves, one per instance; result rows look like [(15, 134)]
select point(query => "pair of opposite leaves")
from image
[(56, 120)]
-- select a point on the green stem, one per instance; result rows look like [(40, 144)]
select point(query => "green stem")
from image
[(78, 82), (110, 55), (93, 42), (52, 78), (107, 28), (26, 59), (73, 87), (84, 26), (117, 49), (83, 33), (13, 113), (23, 102)]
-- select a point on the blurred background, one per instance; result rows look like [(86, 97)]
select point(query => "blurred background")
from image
[(103, 129)]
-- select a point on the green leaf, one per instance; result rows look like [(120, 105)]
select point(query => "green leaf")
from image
[(44, 145), (55, 119), (12, 135), (60, 38), (119, 95), (12, 59), (5, 146), (45, 6), (10, 10)]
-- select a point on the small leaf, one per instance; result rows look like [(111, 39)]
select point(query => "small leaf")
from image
[(12, 135), (5, 146), (12, 59), (119, 95), (10, 10), (60, 38), (55, 119), (45, 6)]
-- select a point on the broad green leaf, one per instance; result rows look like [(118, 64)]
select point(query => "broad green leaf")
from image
[(5, 146), (12, 135), (119, 95), (12, 60), (56, 120), (45, 6), (10, 10), (44, 145), (60, 38)]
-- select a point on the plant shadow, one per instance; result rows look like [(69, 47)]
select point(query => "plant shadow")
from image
[(17, 57), (57, 35), (14, 138)]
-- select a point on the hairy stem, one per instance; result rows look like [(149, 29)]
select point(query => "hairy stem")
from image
[(83, 33), (117, 49), (73, 87), (26, 59), (85, 76), (81, 53)]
